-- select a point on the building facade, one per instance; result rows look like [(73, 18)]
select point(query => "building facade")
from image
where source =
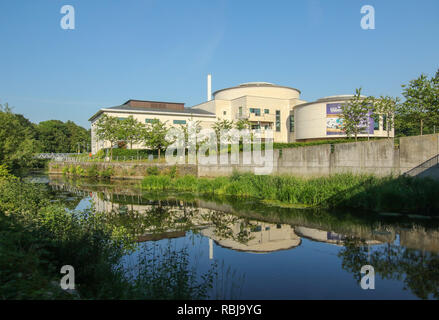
[(264, 105), (146, 111)]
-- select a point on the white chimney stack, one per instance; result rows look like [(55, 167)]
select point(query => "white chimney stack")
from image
[(209, 87)]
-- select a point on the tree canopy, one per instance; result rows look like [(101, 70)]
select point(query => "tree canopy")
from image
[(17, 139), (419, 113)]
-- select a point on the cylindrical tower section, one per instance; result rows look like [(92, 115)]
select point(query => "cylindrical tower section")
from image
[(258, 89)]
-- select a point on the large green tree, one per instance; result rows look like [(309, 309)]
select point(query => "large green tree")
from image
[(419, 113), (18, 142), (154, 136), (131, 130), (59, 137)]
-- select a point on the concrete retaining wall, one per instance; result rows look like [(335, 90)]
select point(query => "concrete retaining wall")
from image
[(123, 170), (413, 151), (378, 157)]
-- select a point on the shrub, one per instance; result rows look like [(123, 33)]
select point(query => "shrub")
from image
[(153, 171), (106, 173), (79, 171), (72, 170), (92, 171)]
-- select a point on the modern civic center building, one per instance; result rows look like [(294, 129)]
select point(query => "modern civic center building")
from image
[(265, 105)]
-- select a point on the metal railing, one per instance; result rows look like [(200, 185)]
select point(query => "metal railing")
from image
[(434, 161)]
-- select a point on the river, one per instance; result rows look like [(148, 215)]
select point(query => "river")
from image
[(265, 251)]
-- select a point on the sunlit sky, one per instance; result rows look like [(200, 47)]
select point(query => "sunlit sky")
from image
[(163, 50)]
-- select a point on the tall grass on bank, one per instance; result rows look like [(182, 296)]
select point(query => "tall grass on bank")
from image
[(365, 192), (38, 237)]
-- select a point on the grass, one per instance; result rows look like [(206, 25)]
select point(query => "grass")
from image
[(364, 192), (38, 237)]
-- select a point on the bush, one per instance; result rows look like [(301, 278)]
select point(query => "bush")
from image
[(152, 171), (92, 171), (106, 173), (38, 237)]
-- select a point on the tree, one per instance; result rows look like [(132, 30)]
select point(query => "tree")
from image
[(108, 129), (422, 102), (355, 114), (196, 128), (131, 130), (77, 136), (154, 135), (17, 140), (53, 136), (242, 124), (386, 106), (59, 137), (222, 125)]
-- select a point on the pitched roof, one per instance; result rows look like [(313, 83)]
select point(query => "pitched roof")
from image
[(142, 110)]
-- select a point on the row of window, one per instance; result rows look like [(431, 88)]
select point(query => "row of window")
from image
[(254, 126), (257, 111), (175, 121)]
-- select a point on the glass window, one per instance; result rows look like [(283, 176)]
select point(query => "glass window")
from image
[(376, 122), (266, 111), (256, 111), (121, 118), (278, 120), (291, 123), (224, 112), (149, 120), (179, 121), (240, 111)]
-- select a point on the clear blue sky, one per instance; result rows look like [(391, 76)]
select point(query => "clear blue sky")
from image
[(163, 50)]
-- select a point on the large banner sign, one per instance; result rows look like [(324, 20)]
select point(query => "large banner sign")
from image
[(334, 124)]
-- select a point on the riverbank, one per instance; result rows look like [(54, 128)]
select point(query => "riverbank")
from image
[(363, 192), (39, 237)]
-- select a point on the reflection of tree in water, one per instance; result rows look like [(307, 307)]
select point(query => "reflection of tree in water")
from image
[(419, 270), (158, 219), (224, 223)]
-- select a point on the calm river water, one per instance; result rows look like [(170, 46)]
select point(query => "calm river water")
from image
[(269, 252)]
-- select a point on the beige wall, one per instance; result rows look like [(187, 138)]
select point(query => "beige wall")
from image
[(268, 91), (231, 107)]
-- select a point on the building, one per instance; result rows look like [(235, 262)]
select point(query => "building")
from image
[(264, 105), (146, 111), (321, 120)]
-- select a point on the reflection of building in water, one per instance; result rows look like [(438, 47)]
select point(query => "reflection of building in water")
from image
[(226, 229), (260, 237), (325, 236), (227, 222)]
